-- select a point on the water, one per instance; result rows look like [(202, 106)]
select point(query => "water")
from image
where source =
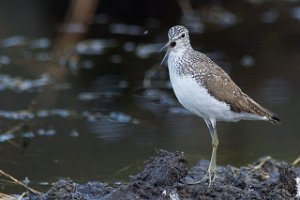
[(99, 117)]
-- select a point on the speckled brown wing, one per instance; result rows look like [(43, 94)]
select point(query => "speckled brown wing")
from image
[(220, 85)]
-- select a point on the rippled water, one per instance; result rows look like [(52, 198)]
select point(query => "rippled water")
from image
[(100, 113)]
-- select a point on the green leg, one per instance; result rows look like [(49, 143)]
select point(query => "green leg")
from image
[(211, 124)]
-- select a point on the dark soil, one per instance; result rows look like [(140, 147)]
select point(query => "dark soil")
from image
[(166, 174)]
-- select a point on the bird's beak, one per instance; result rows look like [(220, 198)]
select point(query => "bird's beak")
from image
[(167, 53), (167, 45)]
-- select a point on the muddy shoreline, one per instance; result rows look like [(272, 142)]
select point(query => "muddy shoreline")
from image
[(165, 176)]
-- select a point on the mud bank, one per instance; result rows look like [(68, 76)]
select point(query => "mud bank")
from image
[(165, 176)]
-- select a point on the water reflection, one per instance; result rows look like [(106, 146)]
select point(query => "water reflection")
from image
[(277, 91), (109, 104), (19, 84)]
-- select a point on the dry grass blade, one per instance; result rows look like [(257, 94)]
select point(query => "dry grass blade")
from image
[(16, 181), (6, 197), (262, 162), (297, 161)]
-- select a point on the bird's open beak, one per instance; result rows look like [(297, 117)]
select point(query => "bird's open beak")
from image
[(167, 53)]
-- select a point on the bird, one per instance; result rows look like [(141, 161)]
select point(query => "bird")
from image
[(206, 90)]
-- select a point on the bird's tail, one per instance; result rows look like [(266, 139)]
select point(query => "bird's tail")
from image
[(274, 119), (260, 110)]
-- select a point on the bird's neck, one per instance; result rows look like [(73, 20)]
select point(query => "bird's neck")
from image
[(178, 59), (180, 51)]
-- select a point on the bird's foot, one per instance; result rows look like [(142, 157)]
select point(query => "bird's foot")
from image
[(210, 176)]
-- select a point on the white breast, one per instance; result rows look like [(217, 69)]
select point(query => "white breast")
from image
[(196, 99)]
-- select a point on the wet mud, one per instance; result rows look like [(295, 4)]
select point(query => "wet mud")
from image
[(165, 176)]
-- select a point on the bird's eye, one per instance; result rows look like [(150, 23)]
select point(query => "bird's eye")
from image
[(183, 35)]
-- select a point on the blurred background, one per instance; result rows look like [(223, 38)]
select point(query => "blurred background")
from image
[(83, 94)]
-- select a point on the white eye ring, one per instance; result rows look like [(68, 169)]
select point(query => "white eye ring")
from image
[(183, 35)]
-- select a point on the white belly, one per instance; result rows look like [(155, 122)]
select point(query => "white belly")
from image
[(196, 98)]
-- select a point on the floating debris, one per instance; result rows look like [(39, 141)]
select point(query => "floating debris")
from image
[(16, 115), (44, 183), (28, 134), (26, 181), (88, 96), (247, 61), (162, 97), (42, 113), (26, 115), (125, 29), (152, 93), (92, 117), (129, 46), (41, 43), (5, 60), (74, 133), (46, 132), (5, 137), (122, 118), (94, 47), (13, 41), (146, 32), (63, 113)]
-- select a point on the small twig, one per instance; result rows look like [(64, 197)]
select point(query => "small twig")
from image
[(20, 183), (15, 128), (296, 161), (21, 197), (263, 161), (12, 130)]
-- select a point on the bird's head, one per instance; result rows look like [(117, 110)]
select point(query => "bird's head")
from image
[(178, 39)]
